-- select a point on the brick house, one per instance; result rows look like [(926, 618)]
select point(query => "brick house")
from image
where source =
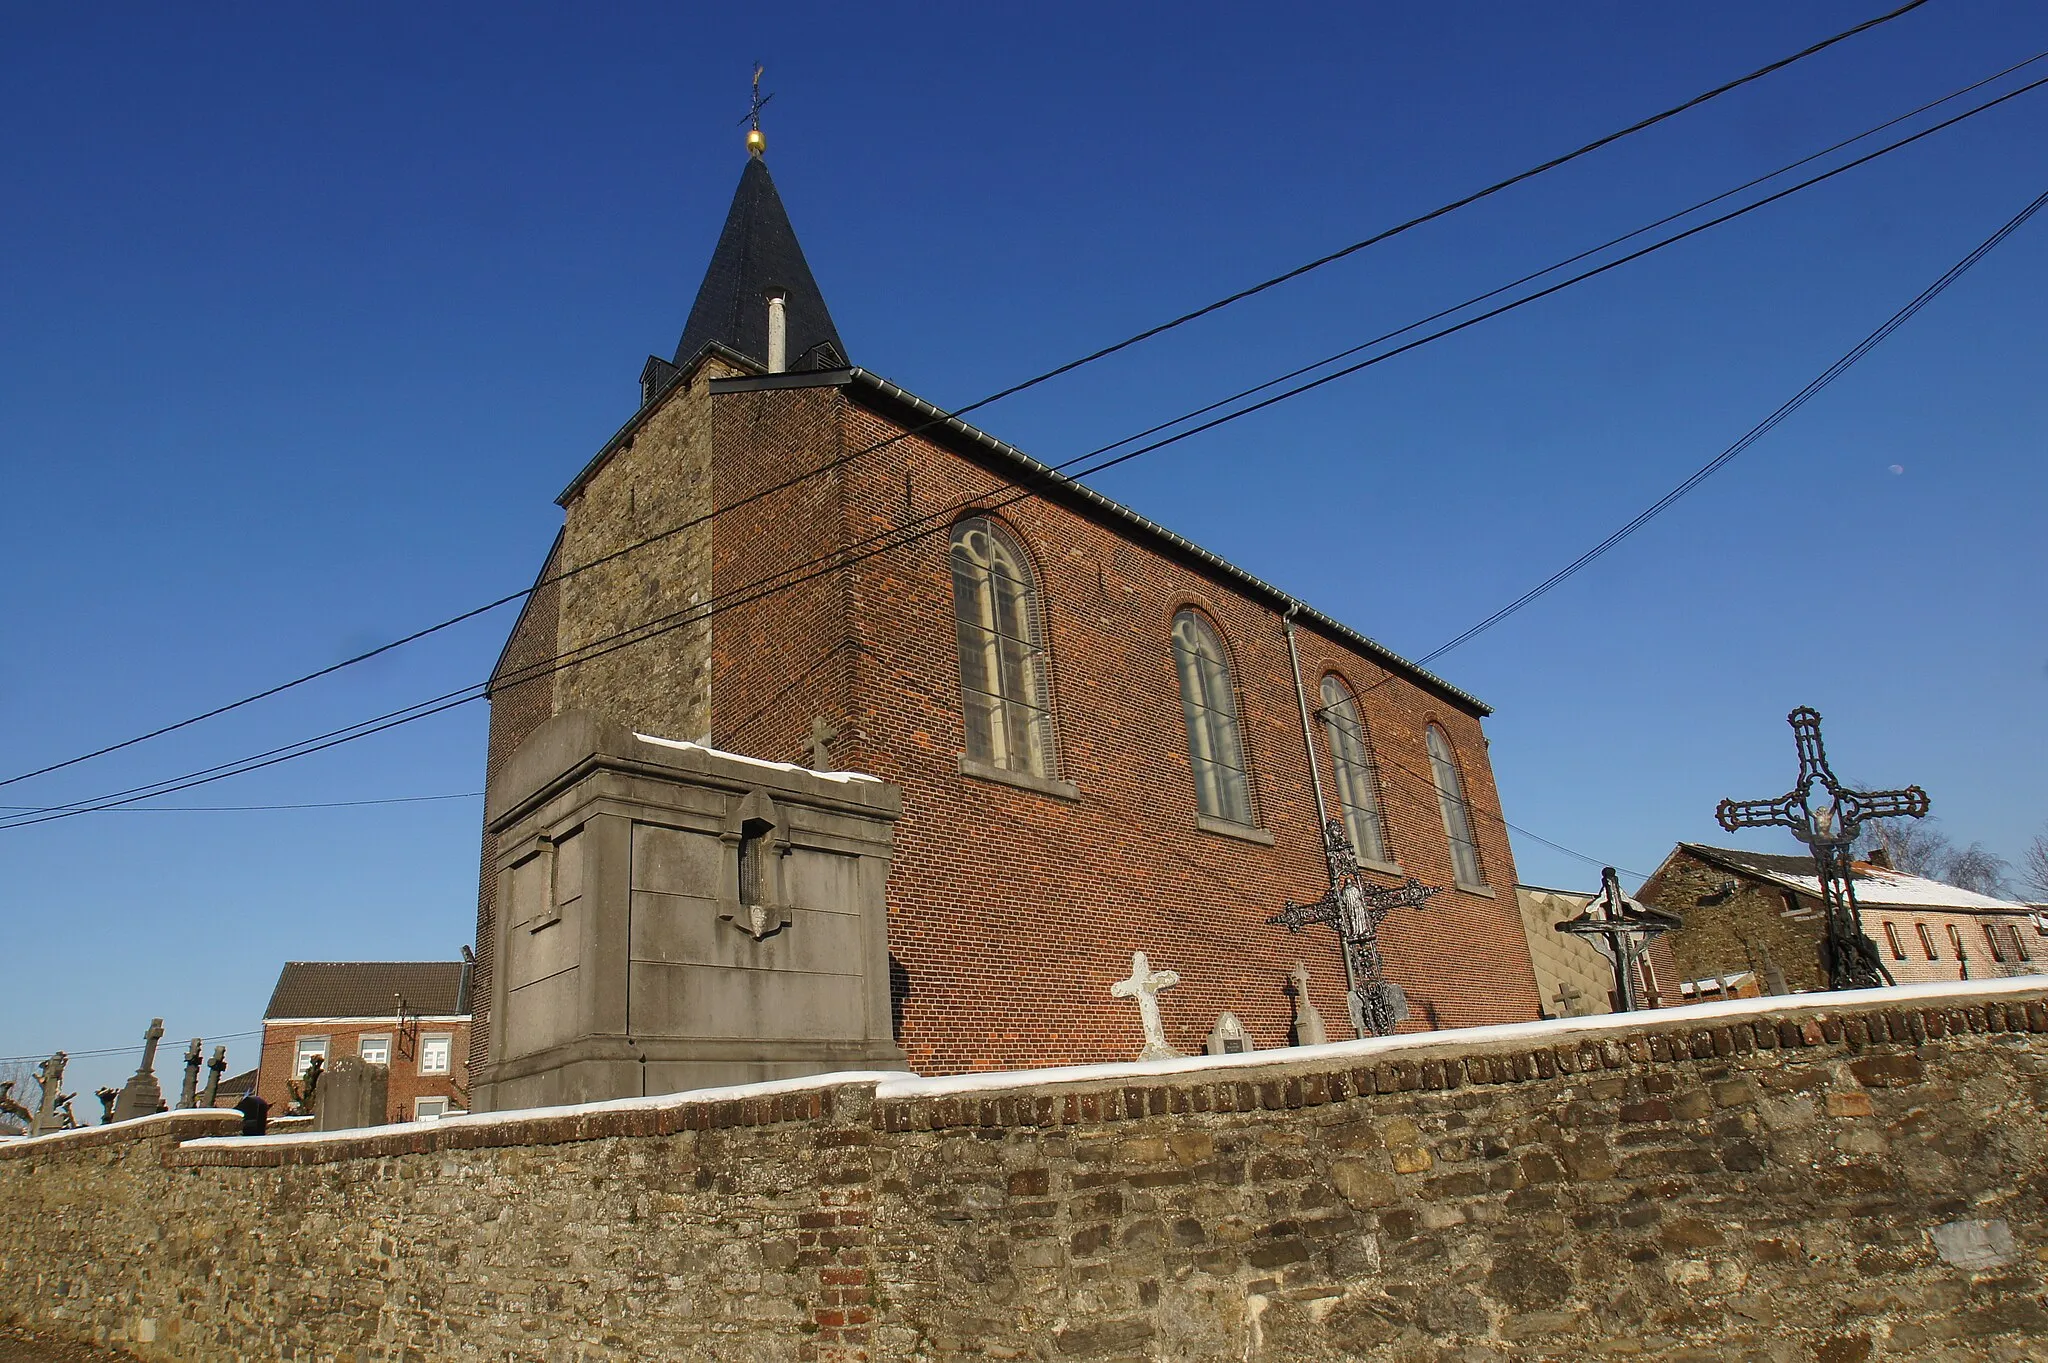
[(337, 1008), (1746, 912), (1103, 733)]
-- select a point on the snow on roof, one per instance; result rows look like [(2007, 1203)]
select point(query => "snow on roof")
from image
[(1878, 887), (756, 761)]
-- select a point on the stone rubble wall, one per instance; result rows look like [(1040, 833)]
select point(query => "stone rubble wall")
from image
[(1838, 1178)]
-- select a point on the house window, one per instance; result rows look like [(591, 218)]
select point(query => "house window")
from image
[(1450, 799), (434, 1052), (310, 1047), (375, 1050), (1891, 938), (1002, 658), (1358, 789), (1927, 941), (1991, 940), (1955, 939), (1215, 752), (2019, 943), (429, 1109)]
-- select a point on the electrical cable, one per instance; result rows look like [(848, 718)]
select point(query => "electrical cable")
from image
[(842, 557), (236, 809), (119, 1050), (1010, 391)]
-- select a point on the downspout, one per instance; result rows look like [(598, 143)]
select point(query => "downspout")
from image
[(1315, 776)]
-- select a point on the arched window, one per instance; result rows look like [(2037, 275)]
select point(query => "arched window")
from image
[(1450, 798), (1222, 790), (1358, 787), (1002, 656)]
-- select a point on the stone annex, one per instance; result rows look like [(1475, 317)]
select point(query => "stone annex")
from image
[(1833, 1177), (1095, 738)]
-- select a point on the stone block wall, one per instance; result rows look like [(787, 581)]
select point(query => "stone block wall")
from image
[(1841, 1178)]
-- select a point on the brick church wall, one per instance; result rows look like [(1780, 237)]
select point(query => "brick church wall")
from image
[(1842, 1178), (1013, 909)]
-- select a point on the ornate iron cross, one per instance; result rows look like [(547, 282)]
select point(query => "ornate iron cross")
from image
[(1627, 927), (1828, 826), (1356, 910)]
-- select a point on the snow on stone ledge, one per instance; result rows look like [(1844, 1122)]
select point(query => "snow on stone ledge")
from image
[(757, 761), (897, 1084)]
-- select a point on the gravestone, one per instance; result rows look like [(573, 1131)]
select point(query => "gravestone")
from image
[(216, 1067), (1568, 999), (50, 1074), (1308, 1023), (669, 916), (188, 1094), (1144, 985), (106, 1097), (352, 1093), (141, 1095), (1229, 1036)]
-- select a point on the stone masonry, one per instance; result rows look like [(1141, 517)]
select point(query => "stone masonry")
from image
[(1838, 1178)]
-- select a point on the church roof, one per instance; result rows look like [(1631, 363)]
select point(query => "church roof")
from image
[(758, 251), (368, 989)]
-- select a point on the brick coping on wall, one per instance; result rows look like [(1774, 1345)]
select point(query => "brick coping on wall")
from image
[(1283, 1078)]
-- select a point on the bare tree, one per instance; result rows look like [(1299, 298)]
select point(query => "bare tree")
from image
[(1975, 868), (1919, 847), (2034, 864), (18, 1083)]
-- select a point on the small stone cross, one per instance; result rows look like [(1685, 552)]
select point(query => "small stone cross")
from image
[(149, 1040), (1144, 986), (1568, 999), (822, 735), (188, 1095)]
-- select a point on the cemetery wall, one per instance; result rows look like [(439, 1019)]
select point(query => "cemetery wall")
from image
[(1837, 1178)]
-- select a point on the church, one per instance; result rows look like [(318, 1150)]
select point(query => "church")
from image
[(1105, 738)]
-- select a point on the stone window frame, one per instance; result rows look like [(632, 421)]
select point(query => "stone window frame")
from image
[(1361, 770), (1455, 807), (1214, 728), (1021, 737), (381, 1040), (447, 1043), (1991, 940)]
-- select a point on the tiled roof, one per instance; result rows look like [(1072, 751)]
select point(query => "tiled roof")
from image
[(1875, 885), (367, 989)]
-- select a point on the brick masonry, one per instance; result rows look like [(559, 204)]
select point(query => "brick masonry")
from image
[(1011, 909), (404, 1084), (1838, 1178)]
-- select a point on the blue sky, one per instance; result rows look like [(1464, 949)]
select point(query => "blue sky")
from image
[(306, 316)]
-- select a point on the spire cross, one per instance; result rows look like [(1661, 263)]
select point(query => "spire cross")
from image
[(1828, 828), (1356, 910), (752, 117)]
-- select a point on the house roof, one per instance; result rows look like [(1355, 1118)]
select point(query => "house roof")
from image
[(368, 989), (758, 251), (1876, 887)]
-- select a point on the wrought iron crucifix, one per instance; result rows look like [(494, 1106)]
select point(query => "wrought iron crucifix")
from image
[(1356, 910), (1826, 816), (1627, 928)]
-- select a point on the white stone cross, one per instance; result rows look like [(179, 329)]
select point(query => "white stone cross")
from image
[(1144, 986)]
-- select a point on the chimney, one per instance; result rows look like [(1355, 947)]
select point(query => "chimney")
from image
[(778, 332), (1880, 857)]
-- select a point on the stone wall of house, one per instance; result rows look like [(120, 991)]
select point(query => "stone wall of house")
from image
[(1837, 1178)]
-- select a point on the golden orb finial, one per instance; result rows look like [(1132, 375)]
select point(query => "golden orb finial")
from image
[(757, 142)]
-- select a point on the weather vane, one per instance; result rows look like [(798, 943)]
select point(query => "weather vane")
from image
[(756, 143)]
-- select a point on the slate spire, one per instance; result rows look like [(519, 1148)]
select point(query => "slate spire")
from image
[(757, 254)]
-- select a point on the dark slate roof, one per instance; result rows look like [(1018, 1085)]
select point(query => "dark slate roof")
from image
[(1757, 863), (366, 989), (757, 251)]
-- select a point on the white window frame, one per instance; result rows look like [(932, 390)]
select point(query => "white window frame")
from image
[(420, 1105), (447, 1043), (305, 1048), (380, 1041)]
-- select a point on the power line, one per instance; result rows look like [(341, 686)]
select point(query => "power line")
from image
[(1011, 391), (843, 557), (231, 809), (119, 1050)]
